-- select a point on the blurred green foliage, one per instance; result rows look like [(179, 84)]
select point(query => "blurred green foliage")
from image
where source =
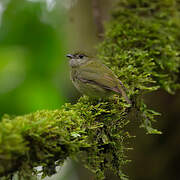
[(32, 44)]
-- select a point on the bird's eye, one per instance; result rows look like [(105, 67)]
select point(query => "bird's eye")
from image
[(81, 56)]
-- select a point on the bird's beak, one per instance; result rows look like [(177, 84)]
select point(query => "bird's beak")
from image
[(69, 56)]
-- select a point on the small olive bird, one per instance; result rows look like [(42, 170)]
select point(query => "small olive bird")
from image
[(93, 78)]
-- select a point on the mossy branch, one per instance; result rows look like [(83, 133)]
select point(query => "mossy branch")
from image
[(141, 45), (47, 138)]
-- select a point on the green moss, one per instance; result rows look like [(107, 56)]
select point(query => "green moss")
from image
[(91, 129), (141, 46)]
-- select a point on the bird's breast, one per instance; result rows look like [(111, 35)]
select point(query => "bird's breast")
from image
[(74, 74)]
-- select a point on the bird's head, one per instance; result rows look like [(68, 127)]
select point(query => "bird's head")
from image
[(77, 59)]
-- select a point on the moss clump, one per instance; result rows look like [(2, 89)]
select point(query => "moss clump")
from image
[(95, 131), (142, 46)]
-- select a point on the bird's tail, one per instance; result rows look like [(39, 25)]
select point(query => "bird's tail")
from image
[(123, 90)]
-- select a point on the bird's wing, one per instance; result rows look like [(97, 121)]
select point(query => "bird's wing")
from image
[(97, 73)]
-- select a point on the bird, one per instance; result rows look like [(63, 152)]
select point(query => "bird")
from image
[(93, 78)]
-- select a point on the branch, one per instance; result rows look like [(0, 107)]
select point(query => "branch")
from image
[(47, 138)]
